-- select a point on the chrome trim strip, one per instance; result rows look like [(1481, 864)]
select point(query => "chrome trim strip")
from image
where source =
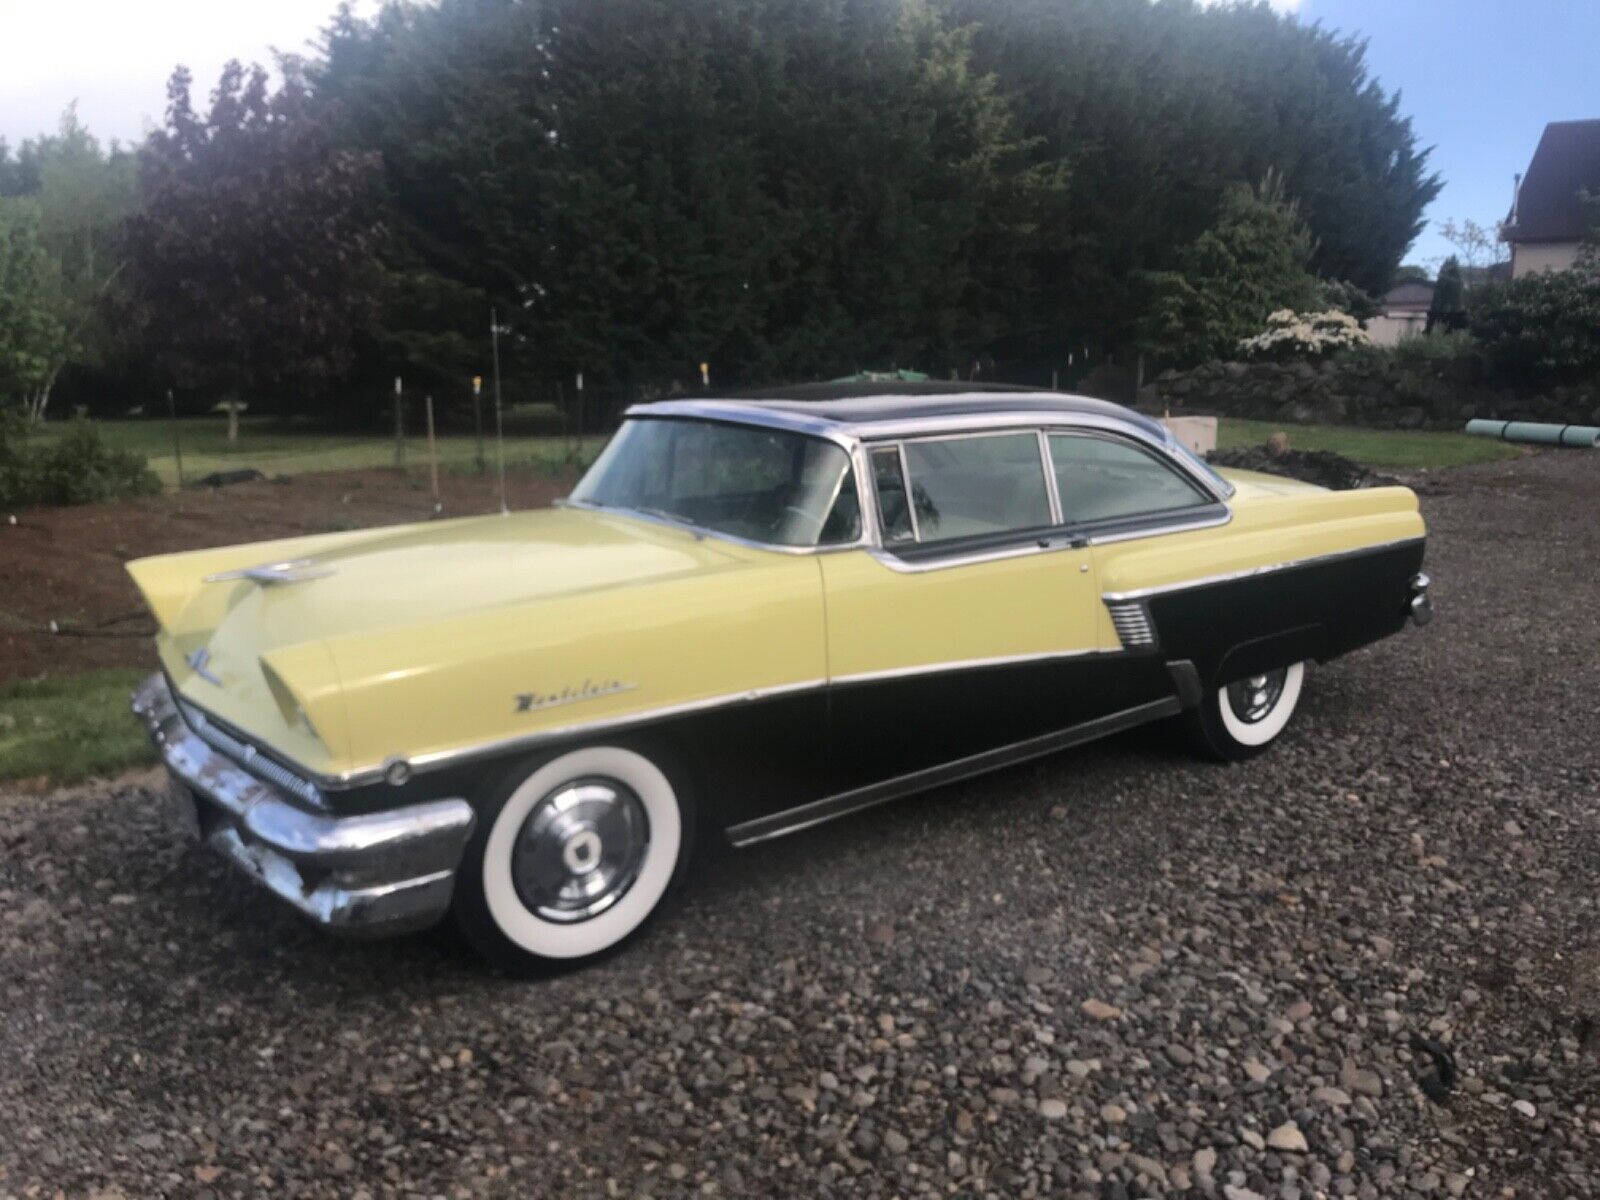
[(443, 758), (969, 664), (1131, 535), (1051, 488), (1251, 572), (815, 813), (911, 499), (1050, 544), (744, 413), (439, 758)]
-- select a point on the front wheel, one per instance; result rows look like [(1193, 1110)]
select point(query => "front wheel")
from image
[(572, 859), (1241, 719)]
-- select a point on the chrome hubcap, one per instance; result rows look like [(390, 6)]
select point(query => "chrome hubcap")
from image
[(580, 850), (1253, 698)]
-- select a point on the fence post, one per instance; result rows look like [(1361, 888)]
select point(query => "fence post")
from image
[(433, 456), (477, 419), (177, 450), (399, 427)]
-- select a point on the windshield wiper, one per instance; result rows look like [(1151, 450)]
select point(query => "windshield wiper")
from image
[(665, 515)]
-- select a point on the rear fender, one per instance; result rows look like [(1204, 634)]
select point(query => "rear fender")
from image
[(1270, 653)]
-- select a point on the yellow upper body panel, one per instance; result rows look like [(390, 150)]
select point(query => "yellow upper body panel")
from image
[(422, 640)]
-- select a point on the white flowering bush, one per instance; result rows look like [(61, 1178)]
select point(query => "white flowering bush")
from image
[(1291, 335)]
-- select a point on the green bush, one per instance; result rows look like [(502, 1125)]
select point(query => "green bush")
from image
[(1541, 328), (76, 468), (1428, 350)]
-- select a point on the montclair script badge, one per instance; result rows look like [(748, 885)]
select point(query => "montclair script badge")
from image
[(587, 690)]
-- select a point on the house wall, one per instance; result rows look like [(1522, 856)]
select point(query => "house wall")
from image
[(1387, 329), (1530, 257)]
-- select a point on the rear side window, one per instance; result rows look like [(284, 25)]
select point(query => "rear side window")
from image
[(975, 486), (1100, 480)]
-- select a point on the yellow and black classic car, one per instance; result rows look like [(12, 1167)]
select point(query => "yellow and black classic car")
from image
[(752, 615)]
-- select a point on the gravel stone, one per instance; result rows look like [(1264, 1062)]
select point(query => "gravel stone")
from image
[(833, 1014)]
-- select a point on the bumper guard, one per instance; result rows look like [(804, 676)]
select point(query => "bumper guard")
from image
[(378, 873)]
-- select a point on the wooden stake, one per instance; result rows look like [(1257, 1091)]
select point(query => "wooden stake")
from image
[(433, 456), (399, 427), (177, 450)]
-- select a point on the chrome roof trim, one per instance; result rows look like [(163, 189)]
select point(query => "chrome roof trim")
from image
[(995, 415), (1250, 572), (747, 412)]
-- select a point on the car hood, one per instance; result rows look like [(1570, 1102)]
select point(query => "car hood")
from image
[(275, 653), (441, 570)]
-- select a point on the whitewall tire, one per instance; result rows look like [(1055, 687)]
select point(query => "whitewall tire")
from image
[(1243, 718), (572, 859)]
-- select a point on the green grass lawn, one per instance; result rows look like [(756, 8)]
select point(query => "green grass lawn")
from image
[(275, 449), (1394, 448), (67, 730)]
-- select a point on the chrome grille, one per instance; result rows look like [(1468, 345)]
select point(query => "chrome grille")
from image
[(1132, 621), (251, 759)]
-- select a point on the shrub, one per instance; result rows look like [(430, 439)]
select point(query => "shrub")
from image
[(1428, 350), (1541, 328), (76, 468), (1292, 335)]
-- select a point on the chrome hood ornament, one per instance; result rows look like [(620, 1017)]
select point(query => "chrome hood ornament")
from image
[(297, 570), (199, 663)]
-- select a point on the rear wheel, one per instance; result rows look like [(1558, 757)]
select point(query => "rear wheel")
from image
[(1241, 719), (572, 860)]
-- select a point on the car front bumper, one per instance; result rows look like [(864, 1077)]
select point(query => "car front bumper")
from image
[(374, 874)]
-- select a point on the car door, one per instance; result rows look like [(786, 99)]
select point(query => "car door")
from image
[(976, 624)]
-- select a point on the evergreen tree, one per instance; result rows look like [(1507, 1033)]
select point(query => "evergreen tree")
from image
[(1253, 262), (1447, 310)]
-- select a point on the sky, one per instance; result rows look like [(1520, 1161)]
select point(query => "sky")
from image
[(1479, 78)]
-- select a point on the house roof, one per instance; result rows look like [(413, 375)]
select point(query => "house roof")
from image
[(1411, 294), (1567, 163)]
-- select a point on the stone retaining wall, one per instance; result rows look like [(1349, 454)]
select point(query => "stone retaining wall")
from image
[(1365, 390)]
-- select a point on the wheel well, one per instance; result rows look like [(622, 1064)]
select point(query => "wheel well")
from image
[(1270, 653)]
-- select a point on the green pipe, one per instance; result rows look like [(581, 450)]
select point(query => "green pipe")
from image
[(1585, 436)]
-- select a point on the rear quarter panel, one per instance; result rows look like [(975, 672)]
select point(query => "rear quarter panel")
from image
[(1322, 572)]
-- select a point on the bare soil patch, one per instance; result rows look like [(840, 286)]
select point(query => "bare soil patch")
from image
[(66, 564)]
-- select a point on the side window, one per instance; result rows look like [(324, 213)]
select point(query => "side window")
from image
[(843, 525), (1099, 479), (894, 514), (970, 486)]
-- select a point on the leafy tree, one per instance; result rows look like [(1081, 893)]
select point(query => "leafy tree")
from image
[(1411, 273), (252, 256), (30, 329), (1251, 263), (1447, 311), (1477, 246)]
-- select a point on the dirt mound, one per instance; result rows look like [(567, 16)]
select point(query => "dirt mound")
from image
[(1324, 468)]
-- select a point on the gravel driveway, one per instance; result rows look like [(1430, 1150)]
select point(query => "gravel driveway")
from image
[(1367, 964)]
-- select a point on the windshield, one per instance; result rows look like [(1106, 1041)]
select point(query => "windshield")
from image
[(765, 485)]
